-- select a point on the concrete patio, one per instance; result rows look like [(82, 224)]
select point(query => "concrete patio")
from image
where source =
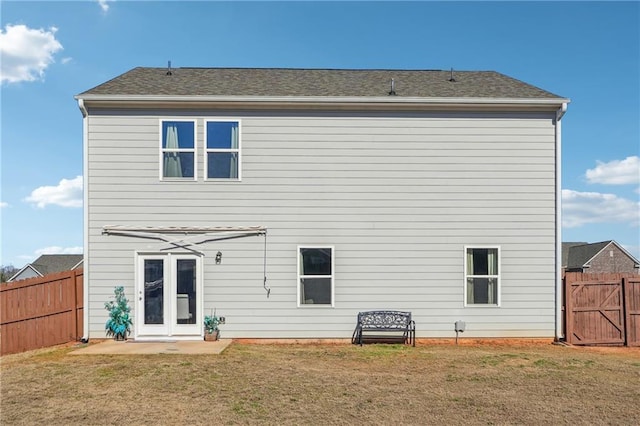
[(131, 347)]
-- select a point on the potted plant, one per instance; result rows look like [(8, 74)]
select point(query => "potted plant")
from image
[(119, 323), (211, 331)]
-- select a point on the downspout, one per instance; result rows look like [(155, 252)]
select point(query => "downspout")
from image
[(558, 204), (85, 208)]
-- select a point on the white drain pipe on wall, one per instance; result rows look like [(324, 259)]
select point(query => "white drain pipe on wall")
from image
[(85, 226), (559, 305)]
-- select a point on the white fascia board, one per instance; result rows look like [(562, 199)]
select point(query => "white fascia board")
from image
[(24, 268), (323, 100), (622, 249)]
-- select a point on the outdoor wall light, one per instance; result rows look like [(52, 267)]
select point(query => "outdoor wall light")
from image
[(218, 258)]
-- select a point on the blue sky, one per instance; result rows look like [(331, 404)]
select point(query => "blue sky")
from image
[(50, 51)]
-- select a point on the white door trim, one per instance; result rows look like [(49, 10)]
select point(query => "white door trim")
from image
[(170, 329)]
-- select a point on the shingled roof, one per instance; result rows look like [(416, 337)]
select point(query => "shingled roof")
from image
[(579, 255), (566, 249), (286, 82), (51, 263), (48, 264)]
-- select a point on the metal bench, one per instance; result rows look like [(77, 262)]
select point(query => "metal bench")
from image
[(385, 326)]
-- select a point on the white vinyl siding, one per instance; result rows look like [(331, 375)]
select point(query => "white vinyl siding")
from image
[(397, 195)]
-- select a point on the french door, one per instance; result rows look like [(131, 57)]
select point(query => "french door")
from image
[(168, 296)]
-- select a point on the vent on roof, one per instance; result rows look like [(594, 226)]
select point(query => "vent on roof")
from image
[(169, 72), (392, 92), (451, 79)]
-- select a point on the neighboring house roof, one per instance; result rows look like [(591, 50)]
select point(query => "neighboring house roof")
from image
[(287, 82), (566, 248), (51, 263), (580, 256)]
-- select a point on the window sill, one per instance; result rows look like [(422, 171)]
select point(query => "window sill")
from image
[(482, 305), (316, 306)]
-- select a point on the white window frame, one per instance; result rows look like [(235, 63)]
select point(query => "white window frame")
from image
[(497, 276), (300, 276), (207, 151), (194, 150)]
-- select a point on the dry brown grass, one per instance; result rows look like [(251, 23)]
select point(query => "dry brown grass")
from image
[(328, 384)]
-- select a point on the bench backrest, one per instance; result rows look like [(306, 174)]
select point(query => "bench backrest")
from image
[(384, 319)]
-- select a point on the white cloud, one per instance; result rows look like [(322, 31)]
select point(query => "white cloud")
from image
[(25, 52), (616, 172), (581, 208), (59, 250), (68, 193), (3, 204), (104, 4), (66, 60)]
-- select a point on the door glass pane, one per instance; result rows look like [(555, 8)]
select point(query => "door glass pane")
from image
[(186, 291), (153, 291)]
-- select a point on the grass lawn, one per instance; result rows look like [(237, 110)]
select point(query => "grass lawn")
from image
[(327, 384)]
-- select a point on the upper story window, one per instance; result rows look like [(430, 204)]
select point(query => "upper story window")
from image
[(482, 276), (315, 276), (222, 144), (178, 150)]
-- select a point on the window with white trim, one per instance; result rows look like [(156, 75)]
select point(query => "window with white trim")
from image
[(222, 146), (482, 276), (177, 150), (315, 276)]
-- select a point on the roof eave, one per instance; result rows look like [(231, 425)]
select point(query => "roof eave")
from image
[(323, 99), (343, 102)]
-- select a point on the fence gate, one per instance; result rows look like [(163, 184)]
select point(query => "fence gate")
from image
[(602, 309), (632, 306), (594, 313)]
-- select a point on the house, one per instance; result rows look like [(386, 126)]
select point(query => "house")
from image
[(288, 200), (48, 264), (602, 257)]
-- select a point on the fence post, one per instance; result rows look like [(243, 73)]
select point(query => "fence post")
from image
[(74, 276), (631, 286)]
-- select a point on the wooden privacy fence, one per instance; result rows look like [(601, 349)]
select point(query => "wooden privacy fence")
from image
[(602, 309), (40, 312)]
